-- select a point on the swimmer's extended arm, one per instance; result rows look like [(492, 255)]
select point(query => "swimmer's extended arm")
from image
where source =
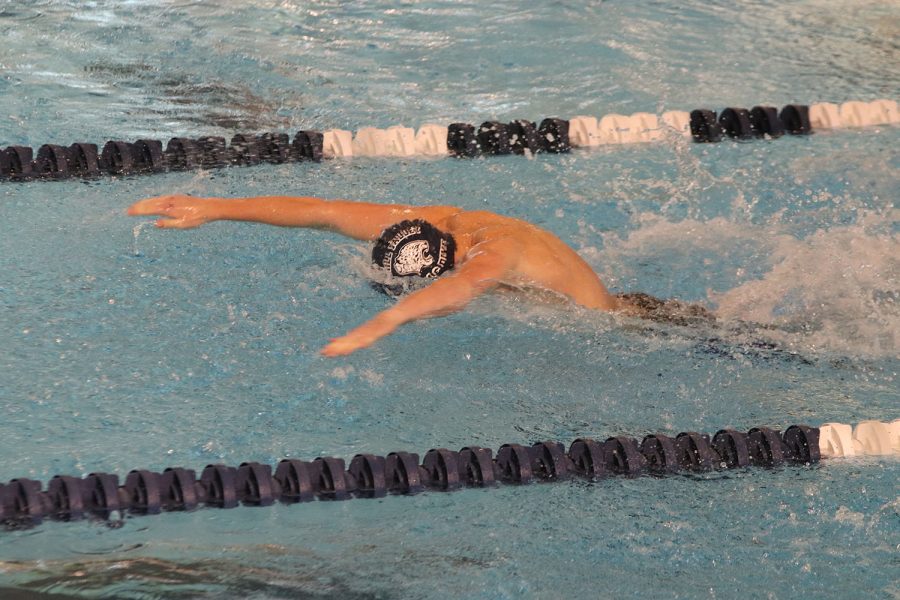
[(488, 263), (359, 220)]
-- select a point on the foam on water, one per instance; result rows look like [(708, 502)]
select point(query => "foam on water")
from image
[(836, 289)]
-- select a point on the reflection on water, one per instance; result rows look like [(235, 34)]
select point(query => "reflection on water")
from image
[(186, 97), (158, 578), (266, 571)]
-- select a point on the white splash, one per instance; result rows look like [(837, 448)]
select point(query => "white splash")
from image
[(836, 289), (136, 233)]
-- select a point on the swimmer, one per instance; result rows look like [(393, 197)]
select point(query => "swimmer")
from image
[(466, 252)]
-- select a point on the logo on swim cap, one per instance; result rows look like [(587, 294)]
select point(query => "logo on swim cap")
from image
[(414, 248), (412, 258)]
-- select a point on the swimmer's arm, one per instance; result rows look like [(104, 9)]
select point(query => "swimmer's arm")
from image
[(448, 294), (359, 220)]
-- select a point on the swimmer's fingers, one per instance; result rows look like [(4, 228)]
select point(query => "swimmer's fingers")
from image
[(180, 223), (339, 347), (160, 205), (362, 337), (345, 345), (180, 211)]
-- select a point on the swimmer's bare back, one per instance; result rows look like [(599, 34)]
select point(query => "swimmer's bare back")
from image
[(492, 250)]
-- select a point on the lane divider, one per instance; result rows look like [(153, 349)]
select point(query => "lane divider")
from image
[(462, 140), (25, 502)]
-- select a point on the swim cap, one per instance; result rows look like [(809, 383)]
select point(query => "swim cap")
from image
[(414, 248)]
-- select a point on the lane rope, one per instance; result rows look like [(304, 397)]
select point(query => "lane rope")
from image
[(463, 140), (25, 502)]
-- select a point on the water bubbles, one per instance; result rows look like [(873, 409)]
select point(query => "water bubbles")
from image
[(136, 232)]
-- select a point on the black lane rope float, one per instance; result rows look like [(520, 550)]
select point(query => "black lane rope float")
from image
[(551, 135), (87, 160), (25, 503)]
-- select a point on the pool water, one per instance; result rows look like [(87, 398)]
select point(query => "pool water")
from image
[(128, 347)]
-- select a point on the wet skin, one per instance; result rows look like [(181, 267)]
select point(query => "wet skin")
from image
[(491, 250)]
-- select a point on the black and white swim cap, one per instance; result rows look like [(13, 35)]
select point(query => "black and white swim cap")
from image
[(414, 248)]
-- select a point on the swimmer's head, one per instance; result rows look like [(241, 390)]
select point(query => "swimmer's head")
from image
[(413, 249)]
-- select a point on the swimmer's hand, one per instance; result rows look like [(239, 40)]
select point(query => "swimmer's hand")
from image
[(481, 271), (178, 210), (362, 337)]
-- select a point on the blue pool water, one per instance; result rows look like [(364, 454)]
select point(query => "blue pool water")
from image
[(125, 346)]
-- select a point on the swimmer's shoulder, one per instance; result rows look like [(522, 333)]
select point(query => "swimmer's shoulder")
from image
[(436, 215), (470, 221)]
